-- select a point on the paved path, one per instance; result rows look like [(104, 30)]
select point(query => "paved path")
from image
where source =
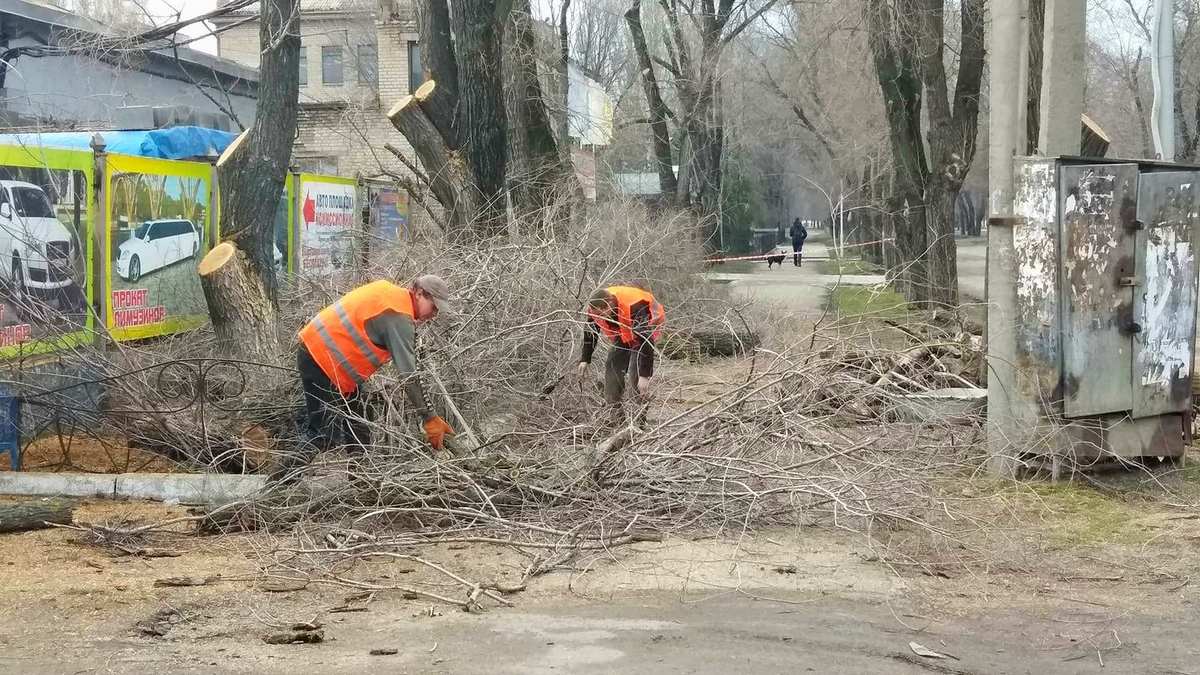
[(802, 290), (795, 290)]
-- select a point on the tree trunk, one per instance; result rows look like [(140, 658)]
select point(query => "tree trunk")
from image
[(943, 252), (1139, 106), (564, 77), (238, 302), (413, 116), (252, 177), (34, 514), (545, 174), (900, 83), (478, 27), (1033, 93), (440, 65), (656, 107)]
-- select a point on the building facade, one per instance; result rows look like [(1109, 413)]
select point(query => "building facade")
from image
[(357, 59), (46, 88)]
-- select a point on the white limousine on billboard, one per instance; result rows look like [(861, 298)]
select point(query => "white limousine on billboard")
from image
[(39, 250), (155, 244)]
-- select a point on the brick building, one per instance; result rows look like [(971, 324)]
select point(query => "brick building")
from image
[(357, 58)]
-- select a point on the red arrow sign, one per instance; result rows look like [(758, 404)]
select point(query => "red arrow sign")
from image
[(310, 209)]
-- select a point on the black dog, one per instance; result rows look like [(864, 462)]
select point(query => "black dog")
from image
[(775, 260)]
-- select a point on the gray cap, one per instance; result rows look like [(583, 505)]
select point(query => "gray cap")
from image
[(437, 289)]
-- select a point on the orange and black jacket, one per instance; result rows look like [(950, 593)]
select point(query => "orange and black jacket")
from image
[(634, 322), (360, 333)]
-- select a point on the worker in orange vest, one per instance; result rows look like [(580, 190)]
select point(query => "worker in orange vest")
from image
[(632, 321), (343, 345)]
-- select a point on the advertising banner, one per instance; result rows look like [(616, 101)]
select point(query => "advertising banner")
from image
[(389, 213), (329, 222), (46, 202), (159, 228)]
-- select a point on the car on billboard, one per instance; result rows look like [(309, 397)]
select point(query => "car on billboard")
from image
[(156, 244), (39, 250)]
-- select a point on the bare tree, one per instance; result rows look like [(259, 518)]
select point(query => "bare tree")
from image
[(540, 163), (908, 43), (238, 276), (655, 105), (598, 43), (456, 122)]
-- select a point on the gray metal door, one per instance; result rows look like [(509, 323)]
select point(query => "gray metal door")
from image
[(1165, 296), (1098, 204)]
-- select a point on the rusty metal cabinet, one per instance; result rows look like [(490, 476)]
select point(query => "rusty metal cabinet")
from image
[(1103, 271)]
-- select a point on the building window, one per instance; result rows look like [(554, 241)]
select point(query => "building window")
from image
[(303, 66), (368, 64), (331, 65), (327, 166), (416, 76)]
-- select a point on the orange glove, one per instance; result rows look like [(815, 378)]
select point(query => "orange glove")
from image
[(436, 430)]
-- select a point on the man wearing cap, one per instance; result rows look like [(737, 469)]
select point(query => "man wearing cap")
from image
[(632, 320), (343, 345)]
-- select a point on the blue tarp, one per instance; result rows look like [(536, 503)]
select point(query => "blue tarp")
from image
[(172, 143)]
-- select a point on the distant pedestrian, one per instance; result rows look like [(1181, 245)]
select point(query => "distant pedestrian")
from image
[(798, 233)]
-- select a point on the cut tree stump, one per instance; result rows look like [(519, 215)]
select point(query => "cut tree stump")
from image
[(35, 514), (417, 117), (243, 317)]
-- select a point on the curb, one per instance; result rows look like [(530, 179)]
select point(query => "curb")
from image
[(167, 487)]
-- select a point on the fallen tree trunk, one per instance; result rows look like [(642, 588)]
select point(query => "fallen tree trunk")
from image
[(36, 514), (701, 343), (243, 316)]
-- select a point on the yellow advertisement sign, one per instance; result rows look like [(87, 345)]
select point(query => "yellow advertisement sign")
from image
[(46, 216), (159, 227)]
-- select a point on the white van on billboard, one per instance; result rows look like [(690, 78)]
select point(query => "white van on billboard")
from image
[(156, 244), (39, 249)]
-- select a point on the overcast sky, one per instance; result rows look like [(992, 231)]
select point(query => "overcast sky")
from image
[(164, 11)]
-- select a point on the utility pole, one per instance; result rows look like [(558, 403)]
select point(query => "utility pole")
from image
[(1162, 71), (1062, 77), (1006, 131), (1007, 44)]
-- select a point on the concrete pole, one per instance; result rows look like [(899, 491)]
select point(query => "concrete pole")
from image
[(1063, 77), (1008, 49), (1006, 133)]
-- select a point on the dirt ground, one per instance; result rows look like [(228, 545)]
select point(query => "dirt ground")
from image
[(52, 453), (1092, 576), (1117, 598)]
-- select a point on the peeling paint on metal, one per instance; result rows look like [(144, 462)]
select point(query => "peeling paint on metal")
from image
[(1168, 332), (1036, 252), (1166, 298), (1098, 207)]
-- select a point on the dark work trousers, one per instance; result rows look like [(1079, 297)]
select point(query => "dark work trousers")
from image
[(620, 368), (797, 251), (622, 364), (329, 418)]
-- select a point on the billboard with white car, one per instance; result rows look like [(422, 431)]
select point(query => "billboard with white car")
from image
[(158, 224), (45, 262)]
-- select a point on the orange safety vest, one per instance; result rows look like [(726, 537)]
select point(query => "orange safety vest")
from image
[(627, 297), (337, 336)]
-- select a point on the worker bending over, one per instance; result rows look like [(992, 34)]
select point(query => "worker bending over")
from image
[(343, 345), (632, 321)]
